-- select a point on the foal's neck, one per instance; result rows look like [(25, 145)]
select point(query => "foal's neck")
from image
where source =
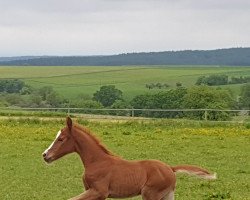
[(89, 151)]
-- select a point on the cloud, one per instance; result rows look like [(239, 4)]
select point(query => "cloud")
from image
[(85, 27)]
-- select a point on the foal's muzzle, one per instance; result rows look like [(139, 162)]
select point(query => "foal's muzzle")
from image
[(46, 158)]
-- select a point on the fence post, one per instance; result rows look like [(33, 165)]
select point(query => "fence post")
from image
[(132, 112), (68, 111), (206, 115)]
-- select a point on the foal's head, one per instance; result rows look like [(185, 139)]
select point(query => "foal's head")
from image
[(62, 145)]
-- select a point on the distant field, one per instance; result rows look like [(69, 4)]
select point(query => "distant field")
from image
[(221, 148), (72, 81)]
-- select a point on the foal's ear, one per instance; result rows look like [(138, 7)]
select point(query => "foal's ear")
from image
[(69, 123)]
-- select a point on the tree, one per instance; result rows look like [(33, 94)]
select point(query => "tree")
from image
[(178, 84), (212, 80), (172, 99), (245, 97), (120, 104), (150, 86), (14, 99), (11, 86), (26, 90), (49, 96), (240, 80), (45, 91), (90, 104), (200, 80), (204, 97), (165, 85), (53, 99), (158, 85), (107, 95), (35, 100)]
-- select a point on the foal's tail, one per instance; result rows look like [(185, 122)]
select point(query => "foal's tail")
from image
[(194, 170)]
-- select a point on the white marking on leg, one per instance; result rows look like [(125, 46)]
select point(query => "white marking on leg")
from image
[(170, 195), (58, 134)]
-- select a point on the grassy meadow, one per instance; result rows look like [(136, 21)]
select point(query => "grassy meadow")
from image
[(222, 148), (72, 81)]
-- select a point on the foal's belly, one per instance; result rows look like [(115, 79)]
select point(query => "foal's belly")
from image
[(124, 189), (126, 182), (123, 194)]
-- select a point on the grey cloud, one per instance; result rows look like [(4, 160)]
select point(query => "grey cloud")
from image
[(112, 26)]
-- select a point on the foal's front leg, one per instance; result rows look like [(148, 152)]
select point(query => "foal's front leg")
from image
[(89, 195)]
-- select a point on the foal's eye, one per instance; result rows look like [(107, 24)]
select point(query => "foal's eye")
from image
[(60, 139)]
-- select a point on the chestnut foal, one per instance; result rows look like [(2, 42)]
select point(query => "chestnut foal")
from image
[(109, 176)]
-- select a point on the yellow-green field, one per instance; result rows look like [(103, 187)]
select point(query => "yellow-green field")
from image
[(222, 148), (72, 81)]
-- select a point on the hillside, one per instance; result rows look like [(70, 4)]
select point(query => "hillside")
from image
[(71, 81), (229, 57)]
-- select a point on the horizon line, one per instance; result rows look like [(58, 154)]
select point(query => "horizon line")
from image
[(124, 53)]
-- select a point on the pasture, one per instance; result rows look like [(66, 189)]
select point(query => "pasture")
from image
[(222, 148), (72, 81)]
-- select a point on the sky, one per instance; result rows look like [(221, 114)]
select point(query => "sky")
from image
[(103, 27)]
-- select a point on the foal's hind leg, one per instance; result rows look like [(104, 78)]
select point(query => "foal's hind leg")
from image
[(89, 195), (169, 196), (150, 194), (153, 195)]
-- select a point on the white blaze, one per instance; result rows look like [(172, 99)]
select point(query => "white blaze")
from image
[(46, 151)]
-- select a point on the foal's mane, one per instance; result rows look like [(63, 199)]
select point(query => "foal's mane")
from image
[(94, 138)]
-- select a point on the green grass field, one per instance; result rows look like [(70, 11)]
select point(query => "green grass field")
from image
[(72, 81), (222, 148)]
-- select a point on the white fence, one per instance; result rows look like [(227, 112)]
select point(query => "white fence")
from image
[(201, 114)]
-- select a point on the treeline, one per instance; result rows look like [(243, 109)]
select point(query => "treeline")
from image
[(14, 92), (211, 80), (196, 97), (221, 80), (231, 57)]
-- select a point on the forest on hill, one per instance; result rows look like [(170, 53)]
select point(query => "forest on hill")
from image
[(229, 57)]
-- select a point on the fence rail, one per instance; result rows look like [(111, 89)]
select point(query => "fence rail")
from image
[(201, 114), (120, 109)]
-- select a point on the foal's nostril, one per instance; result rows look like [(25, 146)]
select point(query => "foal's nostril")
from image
[(44, 154)]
